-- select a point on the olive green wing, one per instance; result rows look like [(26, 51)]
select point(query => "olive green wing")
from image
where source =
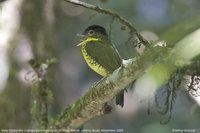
[(106, 55)]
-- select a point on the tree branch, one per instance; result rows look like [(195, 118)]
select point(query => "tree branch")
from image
[(41, 93), (92, 103), (111, 13)]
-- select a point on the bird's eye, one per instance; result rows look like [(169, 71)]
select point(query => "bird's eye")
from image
[(91, 32)]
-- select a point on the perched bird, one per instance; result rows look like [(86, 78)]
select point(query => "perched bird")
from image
[(100, 55)]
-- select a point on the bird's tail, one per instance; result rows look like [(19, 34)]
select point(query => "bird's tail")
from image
[(120, 99), (120, 96)]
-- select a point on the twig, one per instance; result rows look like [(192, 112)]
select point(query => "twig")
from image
[(112, 14), (41, 93)]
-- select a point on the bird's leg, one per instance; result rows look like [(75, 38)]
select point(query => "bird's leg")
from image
[(96, 83)]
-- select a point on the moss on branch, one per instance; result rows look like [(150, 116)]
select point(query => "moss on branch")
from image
[(92, 103)]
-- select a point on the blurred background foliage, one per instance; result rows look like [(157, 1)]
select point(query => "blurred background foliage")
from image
[(48, 28)]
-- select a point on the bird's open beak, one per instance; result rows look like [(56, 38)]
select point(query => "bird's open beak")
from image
[(80, 35), (80, 44), (83, 37)]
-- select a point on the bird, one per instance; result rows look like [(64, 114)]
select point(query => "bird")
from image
[(100, 54)]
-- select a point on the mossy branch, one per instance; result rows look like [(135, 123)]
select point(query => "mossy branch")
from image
[(42, 95), (112, 14), (92, 103)]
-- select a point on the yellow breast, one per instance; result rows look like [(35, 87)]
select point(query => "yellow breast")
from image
[(93, 64)]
